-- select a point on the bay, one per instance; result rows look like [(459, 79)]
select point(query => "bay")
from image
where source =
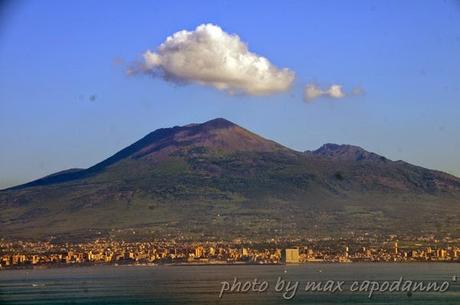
[(201, 285)]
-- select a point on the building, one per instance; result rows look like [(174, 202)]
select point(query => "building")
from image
[(441, 253), (292, 256), (199, 252), (212, 251)]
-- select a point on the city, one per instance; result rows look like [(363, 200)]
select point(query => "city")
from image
[(27, 254)]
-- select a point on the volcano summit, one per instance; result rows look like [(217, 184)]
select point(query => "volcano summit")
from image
[(217, 180)]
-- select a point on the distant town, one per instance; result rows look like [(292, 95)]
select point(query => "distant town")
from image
[(31, 254)]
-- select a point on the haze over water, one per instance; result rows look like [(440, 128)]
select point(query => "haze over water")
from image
[(124, 285)]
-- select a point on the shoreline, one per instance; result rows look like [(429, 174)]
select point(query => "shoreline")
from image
[(83, 265)]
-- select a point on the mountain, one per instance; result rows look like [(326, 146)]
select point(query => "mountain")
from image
[(215, 136), (217, 180), (345, 152)]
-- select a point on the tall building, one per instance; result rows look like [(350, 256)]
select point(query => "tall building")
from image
[(212, 251), (441, 253), (199, 252), (35, 259), (292, 256), (456, 253)]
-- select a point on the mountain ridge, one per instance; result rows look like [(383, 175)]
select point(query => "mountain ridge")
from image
[(217, 179), (143, 147), (329, 150)]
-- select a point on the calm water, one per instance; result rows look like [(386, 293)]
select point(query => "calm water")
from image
[(201, 284)]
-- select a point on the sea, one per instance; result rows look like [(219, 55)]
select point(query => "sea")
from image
[(201, 285)]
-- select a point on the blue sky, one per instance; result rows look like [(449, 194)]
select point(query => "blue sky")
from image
[(55, 55)]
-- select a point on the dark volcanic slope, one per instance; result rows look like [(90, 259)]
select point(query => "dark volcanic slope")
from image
[(218, 136), (345, 152), (219, 180)]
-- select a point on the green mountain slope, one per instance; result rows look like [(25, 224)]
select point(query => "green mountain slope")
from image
[(218, 180)]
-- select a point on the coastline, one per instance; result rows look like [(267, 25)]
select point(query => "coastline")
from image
[(223, 264)]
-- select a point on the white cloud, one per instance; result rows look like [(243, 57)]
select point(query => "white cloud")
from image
[(313, 91), (210, 56)]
